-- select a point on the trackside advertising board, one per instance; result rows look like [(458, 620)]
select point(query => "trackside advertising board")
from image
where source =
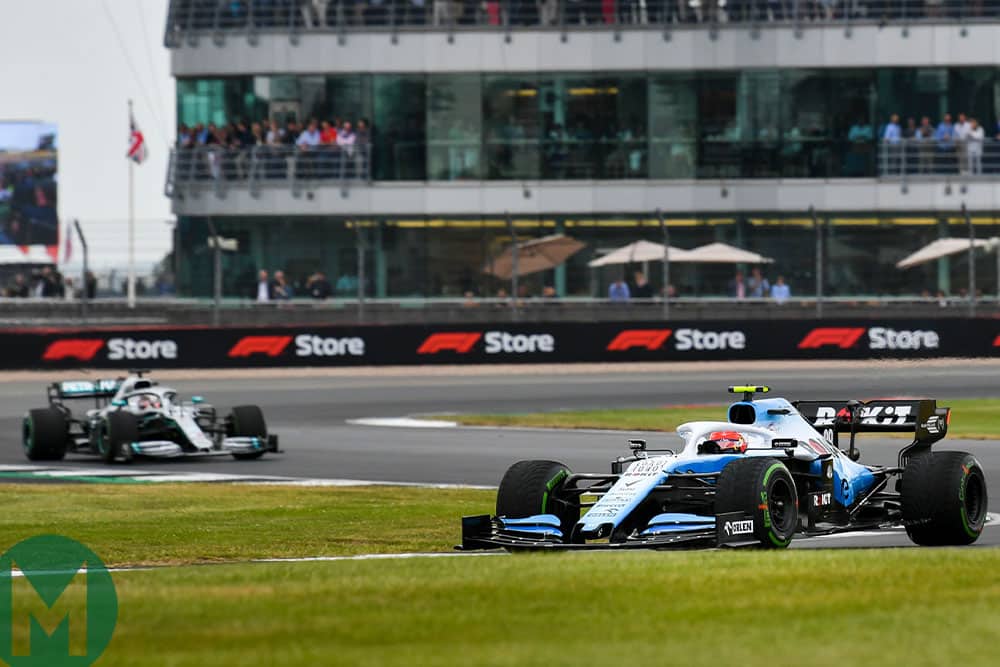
[(562, 342)]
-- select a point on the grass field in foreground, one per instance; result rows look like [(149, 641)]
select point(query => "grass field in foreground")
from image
[(910, 607), (970, 418), (192, 523)]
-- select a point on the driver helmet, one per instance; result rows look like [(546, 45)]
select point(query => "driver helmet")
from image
[(148, 402), (729, 442)]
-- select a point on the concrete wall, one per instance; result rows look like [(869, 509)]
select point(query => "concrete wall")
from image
[(586, 51), (589, 197)]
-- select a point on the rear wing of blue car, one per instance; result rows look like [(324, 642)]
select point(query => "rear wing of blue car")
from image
[(84, 389), (920, 416)]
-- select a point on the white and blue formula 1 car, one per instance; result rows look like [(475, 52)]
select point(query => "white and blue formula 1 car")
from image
[(774, 470), (135, 417)]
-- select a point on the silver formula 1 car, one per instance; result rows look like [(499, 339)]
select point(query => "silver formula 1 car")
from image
[(135, 417)]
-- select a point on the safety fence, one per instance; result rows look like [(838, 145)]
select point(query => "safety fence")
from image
[(216, 167), (496, 342)]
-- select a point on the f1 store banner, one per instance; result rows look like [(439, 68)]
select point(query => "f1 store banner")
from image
[(559, 342)]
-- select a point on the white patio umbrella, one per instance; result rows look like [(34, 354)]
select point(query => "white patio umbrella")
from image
[(723, 253), (941, 248), (640, 251)]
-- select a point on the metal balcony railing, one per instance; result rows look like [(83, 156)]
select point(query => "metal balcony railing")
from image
[(187, 19), (927, 159), (217, 167)]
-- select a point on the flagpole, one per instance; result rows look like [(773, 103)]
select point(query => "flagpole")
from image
[(131, 224)]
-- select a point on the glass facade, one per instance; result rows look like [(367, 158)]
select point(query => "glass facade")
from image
[(790, 123), (450, 257)]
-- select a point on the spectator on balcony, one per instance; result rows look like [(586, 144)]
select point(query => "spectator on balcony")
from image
[(757, 285), (444, 12), (308, 145), (974, 147), (738, 286), (780, 291), (18, 288), (262, 293), (642, 289), (280, 289), (944, 136), (185, 137), (892, 138), (548, 12), (618, 291), (275, 135), (292, 131), (346, 139), (90, 284), (318, 286), (962, 129), (924, 137)]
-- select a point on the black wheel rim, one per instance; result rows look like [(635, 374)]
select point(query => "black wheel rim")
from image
[(975, 492), (781, 505)]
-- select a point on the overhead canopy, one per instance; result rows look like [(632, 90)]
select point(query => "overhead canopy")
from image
[(723, 253), (938, 249), (533, 256), (640, 251)]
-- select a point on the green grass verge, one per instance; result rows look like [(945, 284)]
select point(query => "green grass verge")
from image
[(912, 607), (971, 418), (194, 523)]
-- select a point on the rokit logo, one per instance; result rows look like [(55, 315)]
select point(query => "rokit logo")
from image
[(874, 415), (495, 342), (306, 345), (684, 340), (879, 338), (85, 349)]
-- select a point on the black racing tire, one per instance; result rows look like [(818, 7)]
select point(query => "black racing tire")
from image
[(115, 432), (534, 487), (44, 434), (944, 499), (248, 421), (760, 487)]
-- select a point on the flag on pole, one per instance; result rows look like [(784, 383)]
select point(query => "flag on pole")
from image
[(68, 243), (136, 142)]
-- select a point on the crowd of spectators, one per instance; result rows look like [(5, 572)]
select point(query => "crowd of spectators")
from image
[(48, 283), (951, 146), (277, 287), (321, 149), (316, 14)]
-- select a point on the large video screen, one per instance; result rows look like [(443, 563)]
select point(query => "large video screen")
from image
[(28, 178)]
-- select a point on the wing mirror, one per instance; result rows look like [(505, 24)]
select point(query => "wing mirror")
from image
[(197, 399), (637, 445), (119, 403)]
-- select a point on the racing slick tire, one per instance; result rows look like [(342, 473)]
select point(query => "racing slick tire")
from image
[(44, 434), (534, 487), (248, 421), (763, 489), (944, 499), (115, 433)]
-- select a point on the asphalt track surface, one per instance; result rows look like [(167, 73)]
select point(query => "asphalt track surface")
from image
[(311, 413)]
